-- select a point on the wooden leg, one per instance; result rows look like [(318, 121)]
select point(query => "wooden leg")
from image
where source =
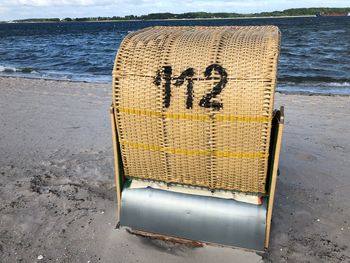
[(116, 158), (276, 157)]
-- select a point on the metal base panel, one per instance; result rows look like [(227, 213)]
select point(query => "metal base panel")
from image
[(194, 217)]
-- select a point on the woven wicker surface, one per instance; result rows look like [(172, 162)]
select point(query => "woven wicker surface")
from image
[(194, 104)]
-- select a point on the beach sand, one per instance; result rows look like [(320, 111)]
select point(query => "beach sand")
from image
[(57, 181)]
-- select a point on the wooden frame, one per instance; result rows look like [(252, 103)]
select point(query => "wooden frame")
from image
[(117, 160), (276, 143)]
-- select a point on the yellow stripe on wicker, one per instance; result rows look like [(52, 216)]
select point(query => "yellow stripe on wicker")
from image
[(193, 152), (184, 116)]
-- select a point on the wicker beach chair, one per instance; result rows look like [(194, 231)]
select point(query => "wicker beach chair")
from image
[(196, 139)]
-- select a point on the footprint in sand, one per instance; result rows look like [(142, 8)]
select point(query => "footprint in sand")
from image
[(306, 157)]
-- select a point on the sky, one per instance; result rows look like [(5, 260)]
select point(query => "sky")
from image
[(20, 9)]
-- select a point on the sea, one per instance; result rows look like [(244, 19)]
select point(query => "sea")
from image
[(315, 51)]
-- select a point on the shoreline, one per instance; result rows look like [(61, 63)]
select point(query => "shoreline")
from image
[(301, 93)]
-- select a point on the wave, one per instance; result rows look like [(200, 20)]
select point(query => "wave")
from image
[(13, 69), (302, 89), (53, 75), (312, 80), (314, 85)]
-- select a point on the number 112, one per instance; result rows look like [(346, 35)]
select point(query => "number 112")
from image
[(166, 75)]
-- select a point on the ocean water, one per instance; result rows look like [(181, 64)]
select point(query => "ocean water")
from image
[(315, 52)]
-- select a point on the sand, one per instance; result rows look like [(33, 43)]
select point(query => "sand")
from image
[(57, 185)]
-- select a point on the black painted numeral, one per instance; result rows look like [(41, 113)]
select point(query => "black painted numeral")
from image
[(206, 100), (166, 75), (187, 74)]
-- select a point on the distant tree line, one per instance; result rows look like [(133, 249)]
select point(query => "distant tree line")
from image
[(197, 15), (33, 20)]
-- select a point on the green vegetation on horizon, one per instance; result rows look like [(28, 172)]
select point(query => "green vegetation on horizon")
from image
[(197, 15)]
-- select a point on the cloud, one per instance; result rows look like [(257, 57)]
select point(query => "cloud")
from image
[(43, 3), (18, 9)]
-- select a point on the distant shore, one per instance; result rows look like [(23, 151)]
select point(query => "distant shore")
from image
[(168, 19), (287, 13)]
